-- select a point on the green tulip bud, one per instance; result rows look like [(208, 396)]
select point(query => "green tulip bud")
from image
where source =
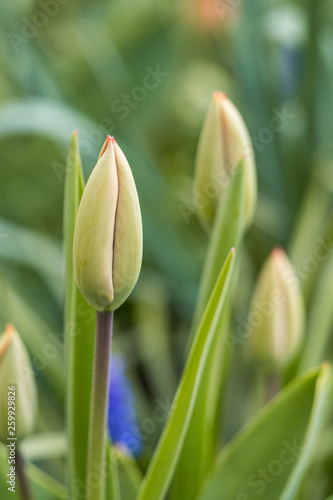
[(18, 390), (223, 142), (108, 232), (276, 318)]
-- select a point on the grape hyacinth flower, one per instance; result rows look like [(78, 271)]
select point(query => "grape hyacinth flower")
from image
[(122, 416)]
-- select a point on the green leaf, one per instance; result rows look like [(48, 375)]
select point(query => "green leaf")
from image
[(46, 446), (201, 440), (226, 233), (130, 475), (164, 461), (79, 331), (320, 321), (25, 246), (112, 488), (126, 477), (322, 396), (32, 116), (274, 446)]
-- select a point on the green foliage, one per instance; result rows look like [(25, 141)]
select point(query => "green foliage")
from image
[(274, 60)]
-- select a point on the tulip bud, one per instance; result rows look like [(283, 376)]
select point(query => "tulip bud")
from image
[(16, 374), (108, 232), (276, 319), (223, 142)]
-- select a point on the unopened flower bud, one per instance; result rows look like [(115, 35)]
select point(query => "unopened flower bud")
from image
[(18, 392), (108, 232), (276, 319), (223, 143)]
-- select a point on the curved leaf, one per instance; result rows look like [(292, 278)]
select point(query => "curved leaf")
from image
[(261, 458), (164, 461)]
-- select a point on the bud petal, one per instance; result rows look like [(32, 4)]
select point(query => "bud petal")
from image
[(277, 314), (223, 142), (16, 370), (108, 232)]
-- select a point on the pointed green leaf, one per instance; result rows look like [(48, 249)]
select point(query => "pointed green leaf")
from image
[(130, 475), (164, 461), (273, 446), (201, 441), (112, 487), (79, 331)]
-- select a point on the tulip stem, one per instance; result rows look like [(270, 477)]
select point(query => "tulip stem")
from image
[(22, 479), (95, 483)]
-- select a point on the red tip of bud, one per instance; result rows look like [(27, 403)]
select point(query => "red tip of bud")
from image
[(9, 328), (219, 95), (75, 132), (278, 252)]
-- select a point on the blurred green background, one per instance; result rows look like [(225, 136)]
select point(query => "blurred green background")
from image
[(144, 71)]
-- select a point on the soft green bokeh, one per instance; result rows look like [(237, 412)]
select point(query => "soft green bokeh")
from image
[(144, 71)]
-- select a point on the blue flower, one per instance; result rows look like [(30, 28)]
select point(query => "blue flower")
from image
[(122, 415)]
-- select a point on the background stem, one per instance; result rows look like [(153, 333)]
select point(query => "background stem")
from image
[(99, 400), (23, 481)]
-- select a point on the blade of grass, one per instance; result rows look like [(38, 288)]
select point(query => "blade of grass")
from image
[(164, 461)]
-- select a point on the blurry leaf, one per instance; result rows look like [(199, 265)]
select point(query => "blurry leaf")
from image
[(320, 322), (32, 116), (112, 488), (130, 475), (311, 224), (46, 446), (79, 321), (260, 458), (152, 322), (164, 461), (24, 246)]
